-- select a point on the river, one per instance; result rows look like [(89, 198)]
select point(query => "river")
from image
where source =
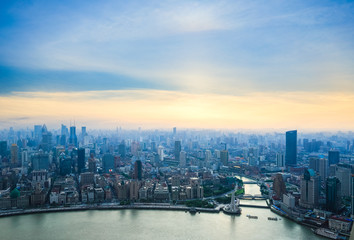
[(153, 224)]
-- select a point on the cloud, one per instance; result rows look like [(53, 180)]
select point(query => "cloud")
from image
[(156, 109)]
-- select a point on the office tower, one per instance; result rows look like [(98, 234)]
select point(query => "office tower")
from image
[(314, 163), (224, 157), (291, 148), (182, 159), (178, 149), (160, 153), (121, 149), (252, 156), (37, 133), (83, 131), (138, 170), (343, 173), (24, 160), (310, 189), (66, 164), (3, 148), (333, 194), (352, 205), (80, 160), (108, 163), (323, 169), (73, 137), (40, 161), (280, 160), (14, 155), (92, 164), (333, 157), (153, 147), (46, 142), (63, 140), (174, 131), (279, 185), (207, 155), (64, 130)]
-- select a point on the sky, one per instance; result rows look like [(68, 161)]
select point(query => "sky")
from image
[(191, 64)]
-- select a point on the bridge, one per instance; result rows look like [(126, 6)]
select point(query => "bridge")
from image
[(252, 197), (249, 182)]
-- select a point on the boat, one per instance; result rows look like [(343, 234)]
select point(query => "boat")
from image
[(273, 218), (192, 210), (253, 217), (326, 233)]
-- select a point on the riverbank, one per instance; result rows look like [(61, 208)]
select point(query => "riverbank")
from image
[(104, 207)]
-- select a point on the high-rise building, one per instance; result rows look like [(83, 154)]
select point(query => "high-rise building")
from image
[(3, 148), (310, 189), (314, 163), (280, 160), (108, 163), (352, 205), (174, 131), (37, 133), (160, 152), (333, 157), (182, 159), (343, 173), (138, 170), (333, 194), (178, 149), (83, 131), (279, 185), (224, 157), (14, 155), (73, 137), (323, 169), (24, 159), (80, 160), (291, 148), (121, 149), (40, 161)]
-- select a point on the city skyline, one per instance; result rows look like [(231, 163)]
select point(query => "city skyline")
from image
[(231, 65)]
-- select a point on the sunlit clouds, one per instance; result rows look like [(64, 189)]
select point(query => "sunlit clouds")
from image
[(156, 109), (212, 64)]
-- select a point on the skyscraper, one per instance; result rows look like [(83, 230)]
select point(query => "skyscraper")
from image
[(108, 163), (14, 155), (310, 189), (174, 131), (178, 149), (333, 194), (280, 160), (343, 173), (80, 160), (138, 170), (323, 169), (291, 148), (333, 157), (224, 157), (182, 159), (3, 148), (73, 137)]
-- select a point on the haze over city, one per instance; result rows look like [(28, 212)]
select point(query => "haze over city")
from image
[(190, 64)]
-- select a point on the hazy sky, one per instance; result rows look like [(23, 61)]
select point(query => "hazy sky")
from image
[(210, 64)]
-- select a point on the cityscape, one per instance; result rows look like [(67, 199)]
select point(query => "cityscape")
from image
[(305, 177), (183, 119)]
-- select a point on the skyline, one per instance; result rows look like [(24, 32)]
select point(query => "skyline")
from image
[(228, 64)]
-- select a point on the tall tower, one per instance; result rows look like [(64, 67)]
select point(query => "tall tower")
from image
[(333, 157), (138, 170), (224, 157), (310, 189), (178, 149), (73, 137), (80, 159), (291, 148), (333, 194), (14, 154)]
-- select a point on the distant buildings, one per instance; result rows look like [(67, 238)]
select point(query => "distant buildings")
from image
[(291, 148), (280, 158)]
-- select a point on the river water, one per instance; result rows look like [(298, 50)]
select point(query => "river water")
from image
[(153, 224)]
